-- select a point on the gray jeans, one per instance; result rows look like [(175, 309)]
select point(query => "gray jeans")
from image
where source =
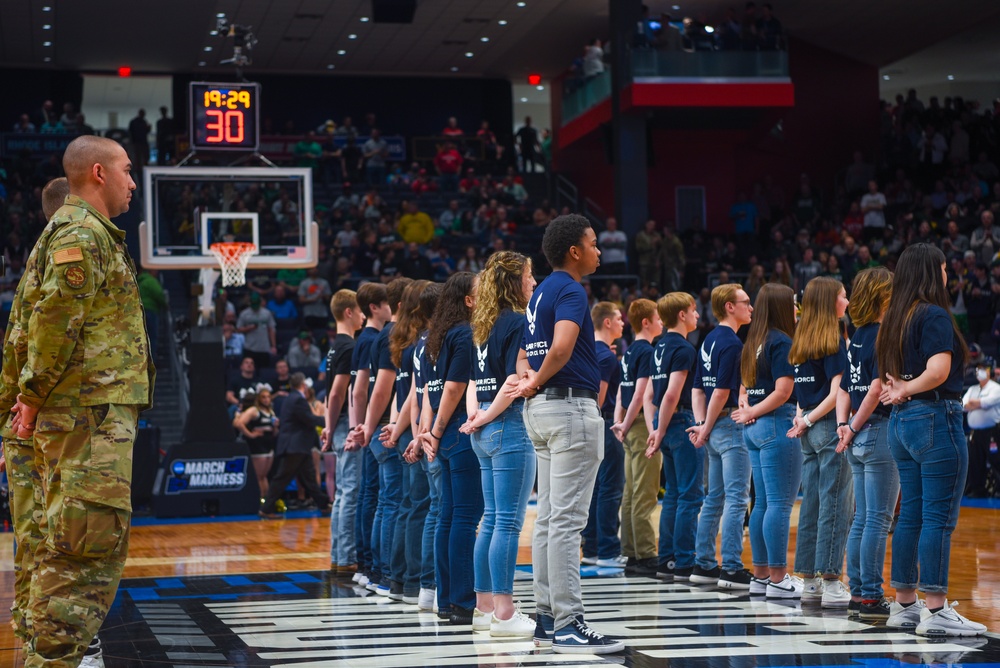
[(568, 435), (343, 545)]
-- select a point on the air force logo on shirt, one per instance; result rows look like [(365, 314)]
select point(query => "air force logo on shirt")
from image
[(531, 314), (624, 366), (706, 357), (416, 358), (855, 370), (658, 360), (481, 353)]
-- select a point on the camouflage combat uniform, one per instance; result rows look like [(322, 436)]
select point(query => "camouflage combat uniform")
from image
[(76, 349)]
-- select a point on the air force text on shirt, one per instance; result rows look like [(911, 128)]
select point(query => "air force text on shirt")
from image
[(536, 348)]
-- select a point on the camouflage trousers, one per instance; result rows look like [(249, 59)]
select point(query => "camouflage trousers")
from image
[(27, 506), (83, 459)]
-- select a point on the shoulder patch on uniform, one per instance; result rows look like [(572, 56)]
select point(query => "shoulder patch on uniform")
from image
[(65, 255), (75, 277)]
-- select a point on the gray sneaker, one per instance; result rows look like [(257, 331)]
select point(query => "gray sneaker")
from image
[(901, 617)]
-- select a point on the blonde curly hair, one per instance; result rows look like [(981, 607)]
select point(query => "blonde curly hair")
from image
[(500, 288)]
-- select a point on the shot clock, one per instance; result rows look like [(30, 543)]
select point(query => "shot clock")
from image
[(224, 116)]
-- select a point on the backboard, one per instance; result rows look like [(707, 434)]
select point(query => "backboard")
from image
[(189, 208)]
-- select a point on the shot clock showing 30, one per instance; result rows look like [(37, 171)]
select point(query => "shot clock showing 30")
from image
[(224, 116)]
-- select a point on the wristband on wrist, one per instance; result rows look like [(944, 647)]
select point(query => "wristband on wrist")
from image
[(698, 424), (805, 418), (853, 430), (843, 424)]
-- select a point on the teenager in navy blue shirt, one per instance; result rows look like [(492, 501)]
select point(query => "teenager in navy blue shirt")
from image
[(819, 355), (634, 422), (390, 465), (766, 410), (862, 428), (674, 368), (560, 378), (450, 351), (921, 359), (601, 545), (496, 427), (713, 398), (374, 303)]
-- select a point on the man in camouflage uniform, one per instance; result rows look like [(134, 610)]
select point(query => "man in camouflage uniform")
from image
[(75, 374)]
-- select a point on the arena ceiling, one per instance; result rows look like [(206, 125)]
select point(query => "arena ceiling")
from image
[(161, 36)]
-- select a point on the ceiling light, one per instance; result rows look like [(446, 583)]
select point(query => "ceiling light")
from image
[(709, 29), (365, 19), (46, 9), (468, 54), (341, 53), (208, 48), (46, 27), (46, 43), (454, 69), (539, 87), (522, 4), (885, 77), (502, 22), (524, 99), (951, 77), (220, 15), (676, 7), (352, 36), (202, 63), (484, 39), (47, 59), (213, 33), (330, 66)]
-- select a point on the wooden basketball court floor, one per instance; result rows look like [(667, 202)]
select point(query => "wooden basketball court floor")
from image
[(254, 593)]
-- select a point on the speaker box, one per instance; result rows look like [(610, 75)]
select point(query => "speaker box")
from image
[(393, 11), (207, 419)]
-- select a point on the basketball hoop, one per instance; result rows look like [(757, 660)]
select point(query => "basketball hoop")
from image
[(233, 257)]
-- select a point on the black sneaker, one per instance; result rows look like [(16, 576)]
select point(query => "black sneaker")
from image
[(854, 609), (396, 590), (683, 574), (631, 565), (646, 567), (665, 571), (543, 630), (578, 638), (875, 612), (705, 576), (735, 579), (460, 615)]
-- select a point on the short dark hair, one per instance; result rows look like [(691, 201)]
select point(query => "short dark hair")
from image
[(368, 294), (561, 234), (297, 380)]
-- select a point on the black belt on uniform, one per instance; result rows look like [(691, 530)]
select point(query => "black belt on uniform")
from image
[(608, 414), (935, 395), (569, 393)]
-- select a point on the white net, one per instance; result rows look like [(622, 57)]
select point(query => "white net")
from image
[(233, 257)]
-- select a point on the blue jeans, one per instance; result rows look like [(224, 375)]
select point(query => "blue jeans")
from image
[(345, 500), (684, 491), (928, 444), (428, 565), (727, 499), (827, 501), (876, 484), (507, 461), (777, 468), (600, 536), (390, 496), (461, 510), (367, 503), (407, 537)]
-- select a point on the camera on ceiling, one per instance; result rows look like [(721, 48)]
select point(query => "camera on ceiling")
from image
[(243, 41)]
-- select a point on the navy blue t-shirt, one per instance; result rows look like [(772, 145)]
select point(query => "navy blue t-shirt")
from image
[(719, 364), (610, 373), (403, 375), (380, 358), (420, 365), (637, 362), (772, 363), (559, 297), (673, 353), (931, 332), (454, 363), (361, 358), (862, 367), (497, 357), (812, 377)]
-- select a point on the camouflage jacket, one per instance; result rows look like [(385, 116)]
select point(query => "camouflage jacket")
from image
[(77, 331)]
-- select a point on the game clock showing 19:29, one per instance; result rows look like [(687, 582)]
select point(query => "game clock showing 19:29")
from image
[(224, 116)]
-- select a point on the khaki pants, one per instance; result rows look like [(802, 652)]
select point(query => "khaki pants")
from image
[(642, 481), (86, 457)]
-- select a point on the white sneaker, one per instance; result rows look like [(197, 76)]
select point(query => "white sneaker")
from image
[(481, 621), (904, 617), (835, 594), (363, 580), (94, 658), (947, 622), (788, 588), (812, 589), (614, 562), (518, 626), (589, 561), (758, 586), (425, 601), (357, 577)]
